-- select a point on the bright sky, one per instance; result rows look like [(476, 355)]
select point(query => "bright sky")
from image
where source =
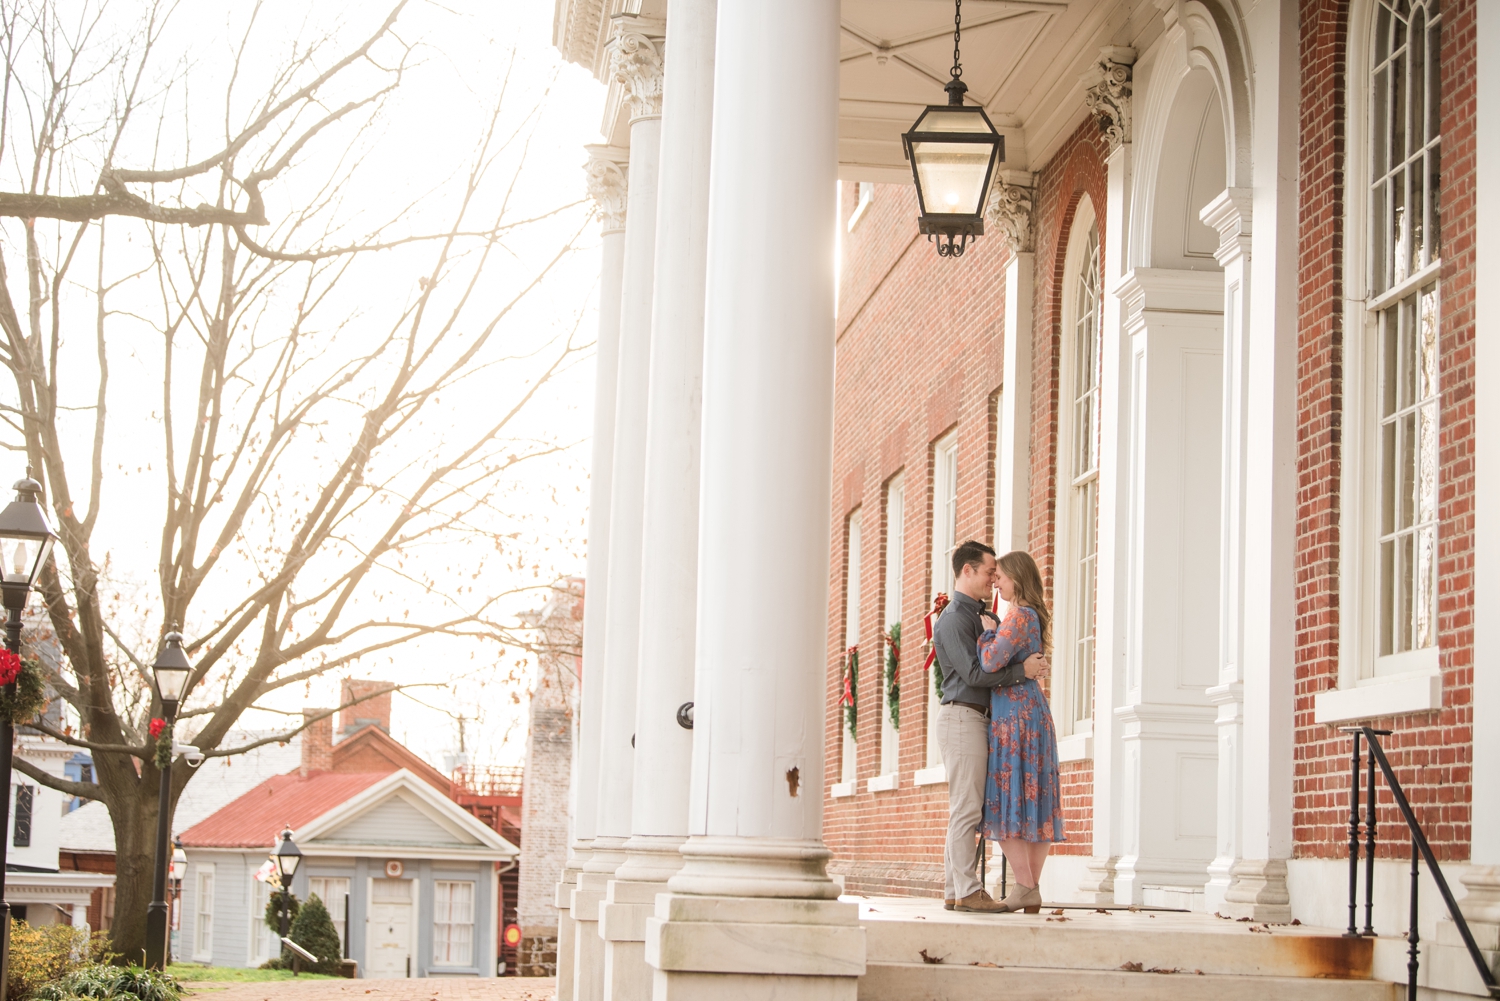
[(425, 139)]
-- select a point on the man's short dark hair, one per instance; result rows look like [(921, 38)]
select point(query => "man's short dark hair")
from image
[(969, 554)]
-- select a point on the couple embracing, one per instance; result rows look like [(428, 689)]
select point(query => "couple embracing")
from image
[(995, 731)]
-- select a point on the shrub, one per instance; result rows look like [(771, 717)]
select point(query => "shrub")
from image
[(41, 955), (314, 931), (111, 983)]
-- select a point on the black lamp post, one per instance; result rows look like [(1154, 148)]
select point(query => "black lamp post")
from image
[(953, 149), (286, 856), (171, 670), (26, 539)]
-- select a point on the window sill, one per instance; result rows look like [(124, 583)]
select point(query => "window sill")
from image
[(936, 775), (841, 790), (1377, 698), (883, 783), (1078, 747)]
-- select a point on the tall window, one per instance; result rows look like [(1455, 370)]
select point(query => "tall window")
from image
[(333, 891), (21, 831), (944, 541), (1403, 262), (263, 940), (890, 676), (453, 929), (1083, 505), (849, 679), (203, 924)]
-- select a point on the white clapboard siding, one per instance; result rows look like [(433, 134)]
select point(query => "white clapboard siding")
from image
[(396, 821)]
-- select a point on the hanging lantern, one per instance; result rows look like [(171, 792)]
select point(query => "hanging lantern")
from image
[(953, 149)]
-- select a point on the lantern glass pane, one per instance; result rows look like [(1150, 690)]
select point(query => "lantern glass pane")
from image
[(288, 864), (952, 175), (169, 682), (23, 557), (953, 120)]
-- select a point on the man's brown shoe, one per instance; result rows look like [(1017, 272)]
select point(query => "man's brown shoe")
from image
[(948, 905), (979, 901)]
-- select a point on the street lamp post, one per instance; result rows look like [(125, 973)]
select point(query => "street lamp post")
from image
[(172, 670), (286, 856), (26, 539)]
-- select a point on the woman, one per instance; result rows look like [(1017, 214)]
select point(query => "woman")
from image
[(1022, 797)]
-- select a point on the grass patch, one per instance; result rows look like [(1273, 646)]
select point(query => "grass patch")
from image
[(231, 974)]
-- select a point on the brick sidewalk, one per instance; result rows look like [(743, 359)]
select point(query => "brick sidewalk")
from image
[(434, 989)]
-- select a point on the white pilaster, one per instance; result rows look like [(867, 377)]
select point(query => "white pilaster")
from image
[(1111, 588), (669, 578), (636, 62), (1013, 498), (752, 913), (607, 185)]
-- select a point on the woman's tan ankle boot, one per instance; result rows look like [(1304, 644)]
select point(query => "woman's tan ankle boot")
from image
[(1019, 898)]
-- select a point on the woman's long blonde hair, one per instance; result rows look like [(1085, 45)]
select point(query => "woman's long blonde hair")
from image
[(1021, 568)]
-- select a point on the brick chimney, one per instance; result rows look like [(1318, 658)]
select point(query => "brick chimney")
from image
[(317, 743), (375, 710)]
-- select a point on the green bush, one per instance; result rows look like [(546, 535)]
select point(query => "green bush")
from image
[(314, 931), (42, 955), (110, 983)]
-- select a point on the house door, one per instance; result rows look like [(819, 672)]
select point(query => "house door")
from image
[(388, 939)]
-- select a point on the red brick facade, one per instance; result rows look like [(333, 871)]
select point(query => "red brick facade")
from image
[(1431, 752)]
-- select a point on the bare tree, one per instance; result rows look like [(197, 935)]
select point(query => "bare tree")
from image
[(319, 503)]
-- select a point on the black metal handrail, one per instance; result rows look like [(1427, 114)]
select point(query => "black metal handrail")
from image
[(1419, 849)]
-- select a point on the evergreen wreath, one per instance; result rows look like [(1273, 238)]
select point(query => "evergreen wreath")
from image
[(29, 698), (850, 699), (162, 734), (893, 674)]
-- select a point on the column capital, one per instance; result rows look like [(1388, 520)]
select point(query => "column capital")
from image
[(636, 62), (1009, 210), (1108, 99), (1229, 213), (607, 185)]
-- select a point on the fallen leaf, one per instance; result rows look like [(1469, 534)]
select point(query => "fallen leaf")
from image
[(990, 966), (930, 959), (1131, 967), (1158, 969), (1296, 921), (1058, 912), (1100, 910), (1057, 919), (1242, 920), (1261, 928)]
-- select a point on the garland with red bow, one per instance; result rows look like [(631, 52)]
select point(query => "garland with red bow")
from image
[(23, 703), (928, 622), (893, 674), (161, 732), (850, 698)]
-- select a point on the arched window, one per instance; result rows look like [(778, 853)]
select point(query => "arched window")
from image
[(1402, 264)]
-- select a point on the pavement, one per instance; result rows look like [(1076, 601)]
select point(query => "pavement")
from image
[(433, 989)]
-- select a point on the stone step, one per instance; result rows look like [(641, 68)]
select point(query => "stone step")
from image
[(898, 931), (943, 982)]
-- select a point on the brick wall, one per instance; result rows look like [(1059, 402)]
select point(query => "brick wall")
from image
[(1430, 751), (920, 352)]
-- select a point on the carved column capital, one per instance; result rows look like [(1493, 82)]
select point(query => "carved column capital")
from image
[(1109, 100), (1009, 210), (636, 63), (607, 187)]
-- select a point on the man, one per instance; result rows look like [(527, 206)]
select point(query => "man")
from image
[(964, 717)]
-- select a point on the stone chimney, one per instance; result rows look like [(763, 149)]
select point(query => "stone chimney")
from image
[(317, 743), (375, 710)]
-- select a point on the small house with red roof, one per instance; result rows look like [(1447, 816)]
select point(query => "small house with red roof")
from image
[(410, 877)]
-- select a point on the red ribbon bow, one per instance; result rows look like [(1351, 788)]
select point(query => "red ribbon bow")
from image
[(849, 655), (157, 726), (938, 604), (10, 666)]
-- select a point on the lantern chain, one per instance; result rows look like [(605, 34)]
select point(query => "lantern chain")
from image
[(958, 24)]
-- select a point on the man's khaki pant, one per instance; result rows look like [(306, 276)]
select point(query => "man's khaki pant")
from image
[(963, 741)]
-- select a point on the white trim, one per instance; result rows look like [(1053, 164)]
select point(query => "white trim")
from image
[(893, 565), (944, 471), (853, 565), (840, 790), (1078, 747), (1377, 697), (441, 810), (864, 193), (203, 951), (936, 775), (883, 783)]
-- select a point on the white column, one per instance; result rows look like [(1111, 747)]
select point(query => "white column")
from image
[(1013, 499), (669, 574), (752, 913), (1111, 592), (636, 62), (607, 185)]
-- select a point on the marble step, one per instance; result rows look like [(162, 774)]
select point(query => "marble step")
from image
[(942, 982), (899, 932)]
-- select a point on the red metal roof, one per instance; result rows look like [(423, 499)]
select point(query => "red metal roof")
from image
[(255, 819)]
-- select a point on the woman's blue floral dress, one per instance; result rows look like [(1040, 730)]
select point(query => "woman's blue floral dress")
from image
[(1022, 796)]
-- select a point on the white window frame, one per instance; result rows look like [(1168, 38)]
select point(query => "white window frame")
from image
[(944, 542), (263, 941), (895, 546), (1075, 730), (322, 886), (203, 912), (849, 754), (1370, 685), (864, 194), (438, 888)]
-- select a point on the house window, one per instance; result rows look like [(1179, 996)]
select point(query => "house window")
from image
[(894, 634), (21, 831), (333, 891), (453, 928), (944, 541), (263, 939), (1403, 262), (1083, 489), (203, 919), (848, 679)]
